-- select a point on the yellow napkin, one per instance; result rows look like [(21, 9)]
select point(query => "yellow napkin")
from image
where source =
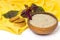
[(52, 6)]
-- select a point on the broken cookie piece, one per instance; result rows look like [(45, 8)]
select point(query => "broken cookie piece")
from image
[(18, 21)]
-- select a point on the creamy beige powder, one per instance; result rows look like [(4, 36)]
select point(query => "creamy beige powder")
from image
[(42, 20)]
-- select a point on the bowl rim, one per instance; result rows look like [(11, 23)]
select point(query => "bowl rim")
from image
[(46, 14)]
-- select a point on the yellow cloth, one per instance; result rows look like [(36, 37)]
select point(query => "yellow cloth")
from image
[(52, 6)]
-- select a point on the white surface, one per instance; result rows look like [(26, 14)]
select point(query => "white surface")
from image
[(29, 35)]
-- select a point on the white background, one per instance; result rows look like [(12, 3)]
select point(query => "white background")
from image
[(29, 35)]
